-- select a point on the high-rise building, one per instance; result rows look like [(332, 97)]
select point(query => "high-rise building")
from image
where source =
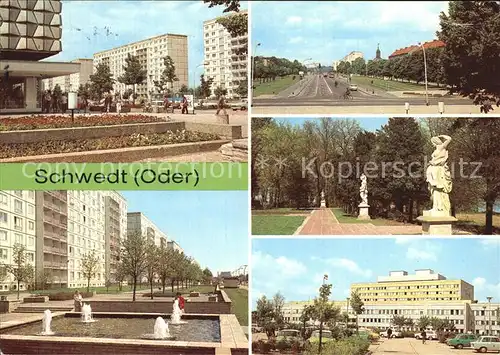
[(17, 226), (175, 246), (73, 81), (223, 58), (150, 53), (52, 237), (29, 31), (351, 57), (137, 222), (115, 229)]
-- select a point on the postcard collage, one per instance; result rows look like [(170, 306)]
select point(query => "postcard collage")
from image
[(225, 177)]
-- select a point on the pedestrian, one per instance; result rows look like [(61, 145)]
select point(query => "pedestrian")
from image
[(77, 300), (107, 102), (165, 103), (221, 105), (53, 101), (64, 105), (184, 105), (182, 301), (118, 106), (424, 336), (389, 333)]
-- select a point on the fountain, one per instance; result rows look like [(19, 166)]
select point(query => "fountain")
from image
[(87, 314), (47, 319), (175, 318), (161, 329)]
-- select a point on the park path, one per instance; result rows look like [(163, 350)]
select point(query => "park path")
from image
[(323, 222)]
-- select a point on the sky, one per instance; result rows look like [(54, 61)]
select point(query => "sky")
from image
[(295, 267), (132, 21), (368, 123), (211, 226), (327, 31)]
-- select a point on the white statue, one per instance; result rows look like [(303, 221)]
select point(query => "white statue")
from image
[(363, 190), (323, 202), (439, 176)]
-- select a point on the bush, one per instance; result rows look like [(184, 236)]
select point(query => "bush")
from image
[(297, 347), (349, 346), (283, 345)]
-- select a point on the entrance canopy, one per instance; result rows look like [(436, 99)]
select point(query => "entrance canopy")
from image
[(19, 68)]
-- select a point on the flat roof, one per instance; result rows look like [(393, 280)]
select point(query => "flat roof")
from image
[(44, 69), (141, 41)]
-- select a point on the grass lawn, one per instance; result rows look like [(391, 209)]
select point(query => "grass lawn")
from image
[(474, 222), (279, 211), (275, 224), (344, 218), (274, 87), (387, 85), (238, 296)]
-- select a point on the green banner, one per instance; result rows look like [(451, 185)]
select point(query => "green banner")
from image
[(124, 176)]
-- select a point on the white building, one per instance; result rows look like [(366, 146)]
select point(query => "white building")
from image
[(17, 226), (175, 246), (151, 52), (73, 81), (86, 233), (137, 222), (223, 62), (351, 57)]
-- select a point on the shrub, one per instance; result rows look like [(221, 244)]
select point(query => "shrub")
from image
[(296, 347), (264, 347), (348, 346), (283, 345)]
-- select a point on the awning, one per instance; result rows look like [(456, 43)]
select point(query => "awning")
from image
[(38, 69)]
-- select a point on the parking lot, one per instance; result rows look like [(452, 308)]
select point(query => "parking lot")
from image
[(409, 346)]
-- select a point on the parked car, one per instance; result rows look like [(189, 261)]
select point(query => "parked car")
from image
[(431, 335), (395, 334), (326, 337), (353, 87), (288, 335), (486, 343), (239, 105), (461, 340)]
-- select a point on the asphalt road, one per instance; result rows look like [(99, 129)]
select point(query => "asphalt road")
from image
[(316, 90)]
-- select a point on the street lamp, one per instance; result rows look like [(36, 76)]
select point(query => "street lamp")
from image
[(425, 74), (489, 298), (194, 81), (306, 60), (258, 44)]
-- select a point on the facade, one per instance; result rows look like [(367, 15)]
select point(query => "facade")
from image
[(115, 207), (351, 57), (86, 218), (52, 237), (174, 245), (151, 52), (223, 59), (137, 222), (72, 82), (29, 31), (17, 226), (413, 48)]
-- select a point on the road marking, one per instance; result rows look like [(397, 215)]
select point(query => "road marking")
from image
[(317, 87), (328, 86)]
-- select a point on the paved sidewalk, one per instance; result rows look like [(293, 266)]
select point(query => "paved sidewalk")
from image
[(409, 346)]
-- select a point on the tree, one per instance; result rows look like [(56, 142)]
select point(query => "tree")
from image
[(207, 276), (165, 265), (220, 91), (305, 316), (90, 264), (168, 75), (357, 306), (101, 81), (242, 89), (44, 277), (230, 5), (20, 269), (423, 322), (205, 86), (152, 263), (183, 90), (85, 91), (323, 310), (107, 283), (265, 316), (471, 33), (398, 321), (133, 257), (120, 274), (3, 272), (237, 26), (134, 73)]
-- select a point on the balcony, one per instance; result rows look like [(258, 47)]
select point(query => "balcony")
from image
[(60, 195), (61, 209), (55, 265), (54, 236), (55, 222), (54, 250)]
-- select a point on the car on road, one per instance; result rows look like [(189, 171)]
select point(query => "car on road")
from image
[(431, 335), (353, 87), (486, 343), (461, 340), (239, 105), (326, 337), (395, 334), (288, 335)]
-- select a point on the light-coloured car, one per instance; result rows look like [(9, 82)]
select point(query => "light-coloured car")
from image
[(326, 336), (395, 334), (431, 335), (486, 343), (353, 87)]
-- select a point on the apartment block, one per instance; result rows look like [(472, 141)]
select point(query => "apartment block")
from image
[(223, 60), (72, 82), (17, 226), (150, 52), (115, 223), (351, 57), (137, 222), (175, 246), (52, 236)]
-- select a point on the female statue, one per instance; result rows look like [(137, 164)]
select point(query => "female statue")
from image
[(439, 176), (363, 190)]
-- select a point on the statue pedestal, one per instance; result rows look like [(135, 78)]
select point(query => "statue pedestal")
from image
[(222, 118), (436, 223), (363, 211), (323, 203)]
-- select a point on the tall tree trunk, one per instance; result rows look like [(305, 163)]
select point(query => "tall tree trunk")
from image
[(172, 285), (320, 337), (135, 288), (88, 285), (151, 285), (410, 203), (18, 289), (163, 282), (490, 202)]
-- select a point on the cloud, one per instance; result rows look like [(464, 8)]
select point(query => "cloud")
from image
[(293, 20), (349, 265), (416, 254), (404, 240), (297, 39), (421, 250), (484, 289), (479, 282), (490, 243), (281, 266)]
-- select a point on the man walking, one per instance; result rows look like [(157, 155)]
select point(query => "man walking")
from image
[(64, 101), (184, 105), (221, 105), (389, 333), (424, 336)]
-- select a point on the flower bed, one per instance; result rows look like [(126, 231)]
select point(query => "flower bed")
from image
[(45, 122), (83, 145)]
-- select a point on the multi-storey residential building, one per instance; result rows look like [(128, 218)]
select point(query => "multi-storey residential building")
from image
[(151, 53), (174, 245), (115, 229), (52, 236), (223, 58), (17, 226), (351, 57), (86, 233), (137, 222), (72, 82)]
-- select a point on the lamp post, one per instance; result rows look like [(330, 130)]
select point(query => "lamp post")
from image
[(258, 44), (425, 74), (347, 310), (484, 317), (194, 81), (489, 298)]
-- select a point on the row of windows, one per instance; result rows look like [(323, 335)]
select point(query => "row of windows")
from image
[(18, 222), (4, 255), (407, 287), (414, 293), (395, 299)]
